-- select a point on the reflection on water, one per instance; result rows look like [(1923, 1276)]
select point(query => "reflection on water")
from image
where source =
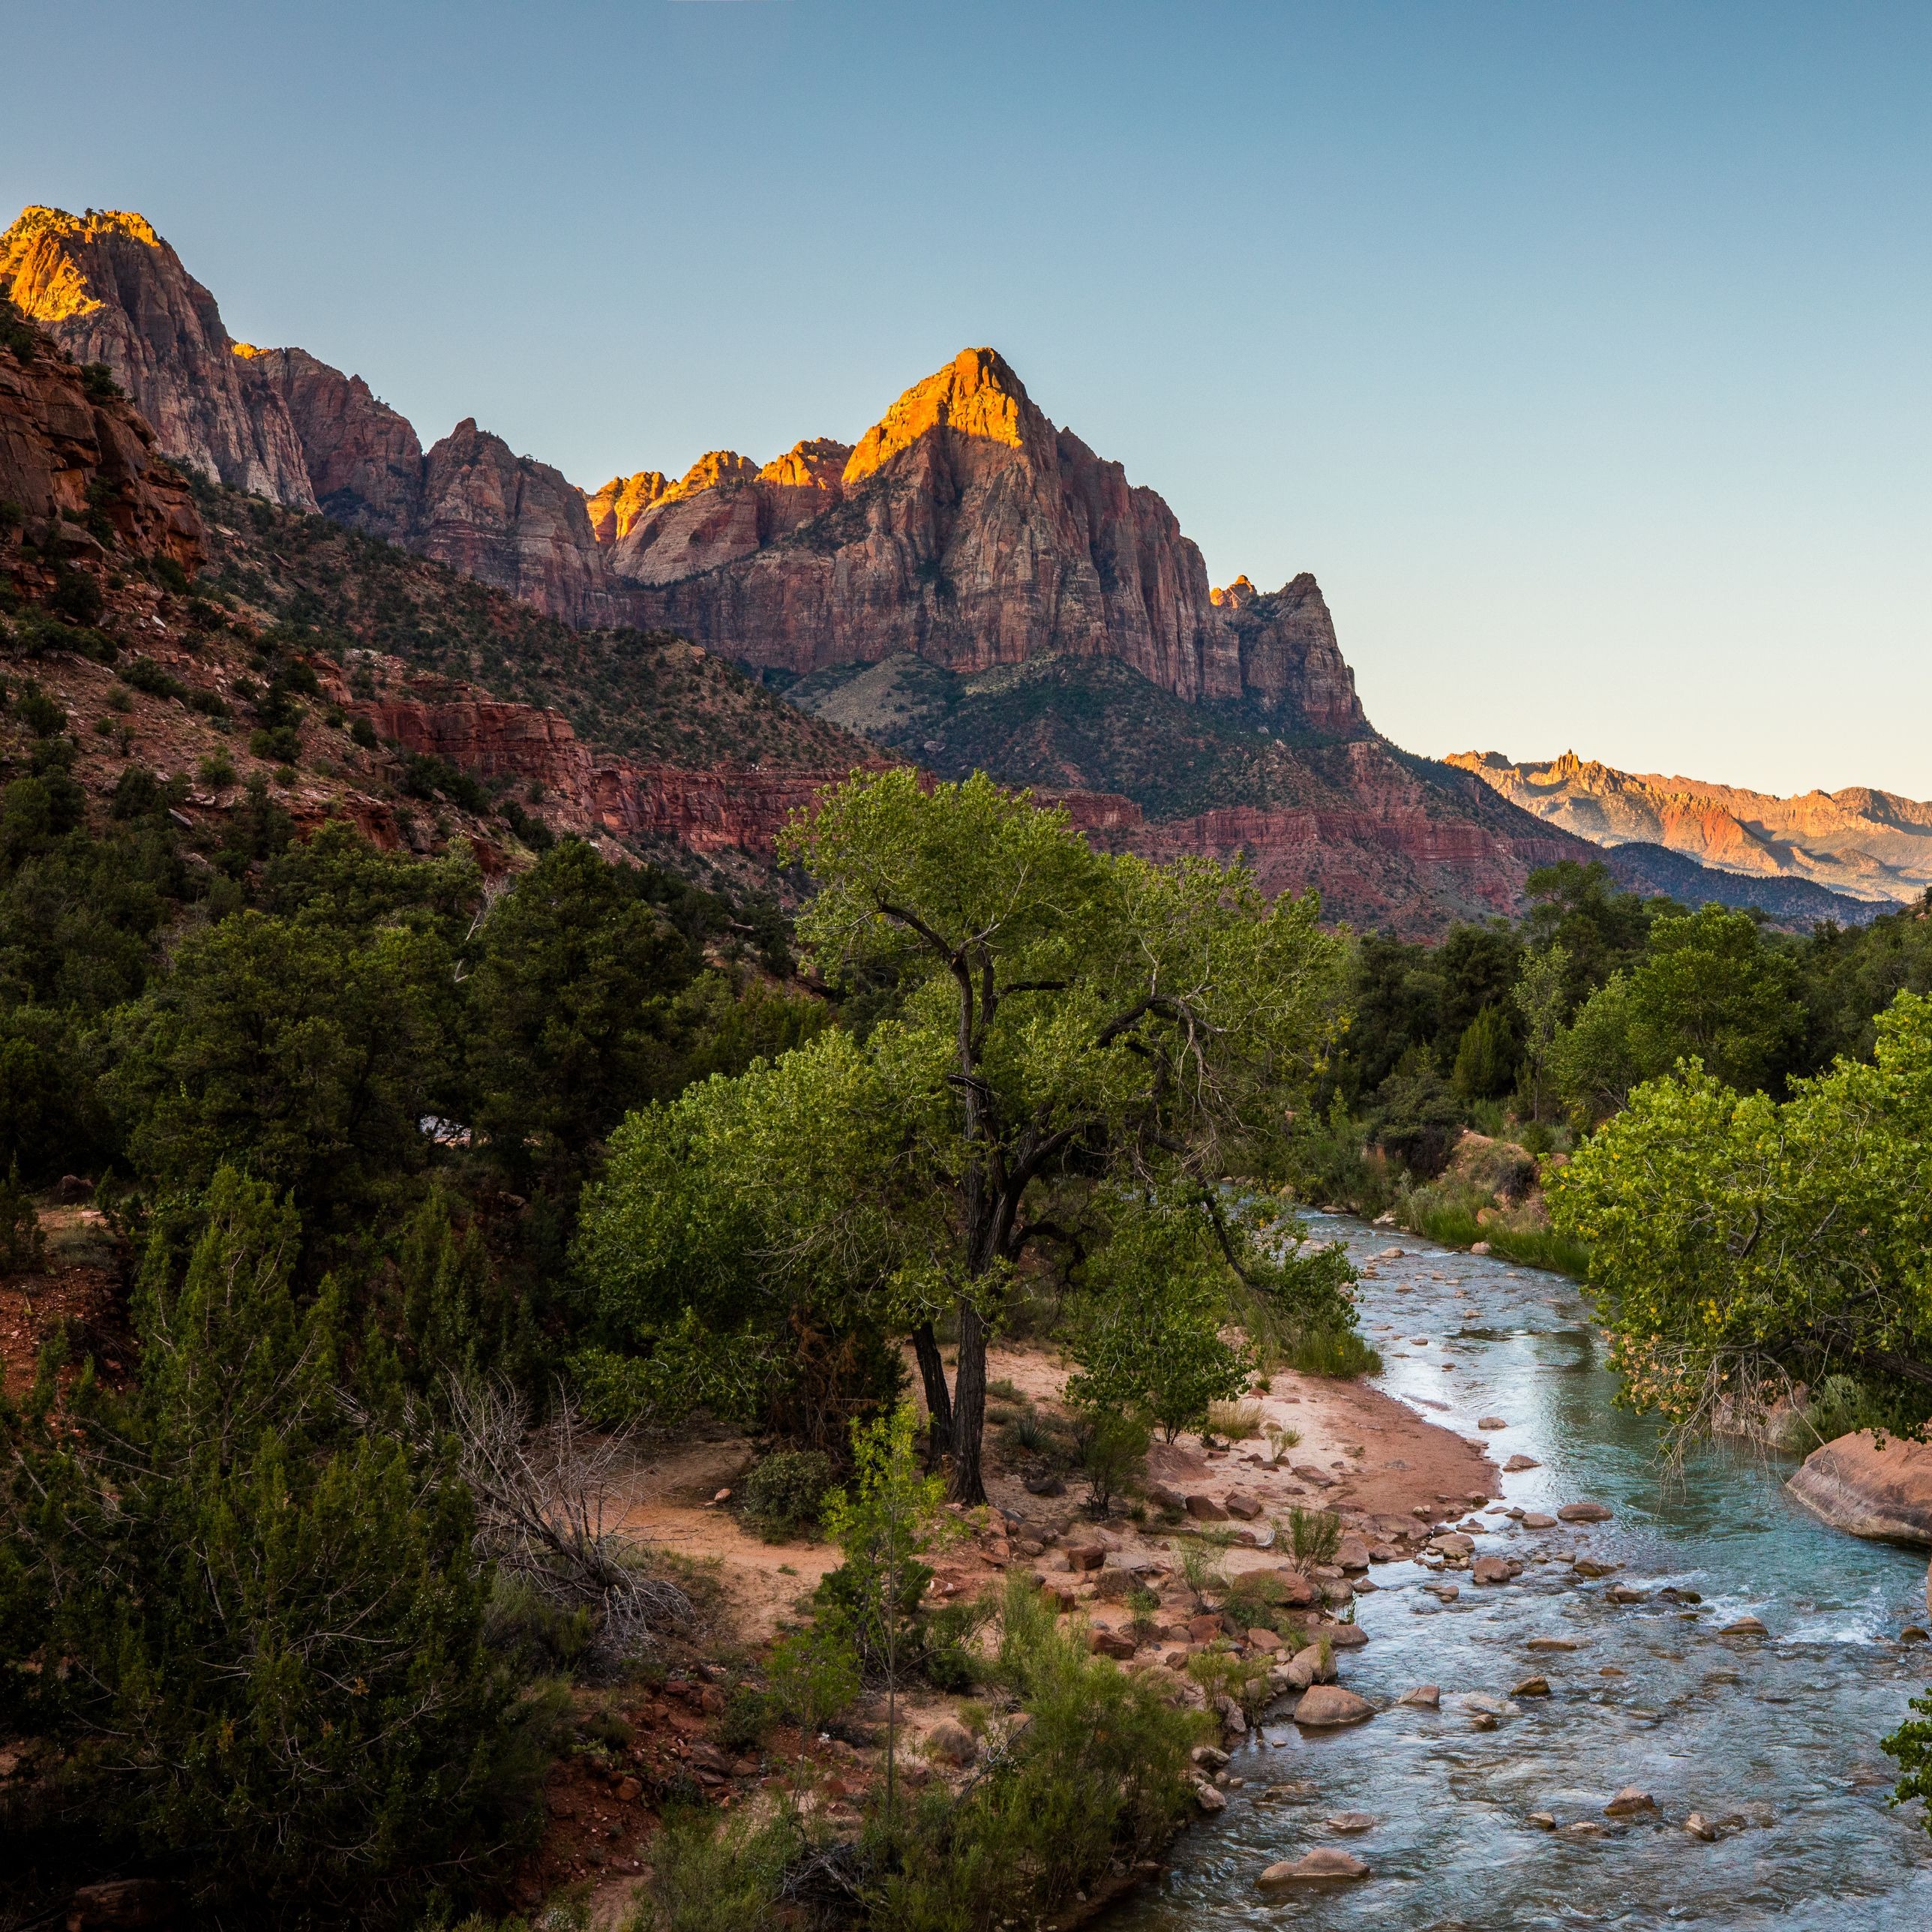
[(1778, 1736)]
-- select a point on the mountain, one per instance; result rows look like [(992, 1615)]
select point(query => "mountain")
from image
[(152, 613), (966, 585), (1867, 844)]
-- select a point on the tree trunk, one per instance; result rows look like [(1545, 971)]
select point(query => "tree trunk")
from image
[(969, 1409), (938, 1401)]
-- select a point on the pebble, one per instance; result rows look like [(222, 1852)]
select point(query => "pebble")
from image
[(1553, 1643), (1629, 1801), (1700, 1826), (1532, 1687), (1352, 1821), (1542, 1821)]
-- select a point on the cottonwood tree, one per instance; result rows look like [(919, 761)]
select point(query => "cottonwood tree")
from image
[(1057, 1019), (1063, 1016), (1738, 1245)]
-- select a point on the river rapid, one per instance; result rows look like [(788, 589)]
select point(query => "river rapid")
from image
[(1776, 1738)]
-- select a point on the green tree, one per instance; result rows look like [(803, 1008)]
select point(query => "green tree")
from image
[(251, 1682), (1710, 986), (1486, 1056), (884, 1523), (293, 1050), (1540, 996), (1150, 1339), (559, 1043), (1737, 1243), (1063, 1015)]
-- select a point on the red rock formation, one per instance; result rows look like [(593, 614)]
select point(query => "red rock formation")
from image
[(622, 501), (710, 811), (66, 454), (964, 526), (510, 521), (365, 464), (108, 290), (1873, 845)]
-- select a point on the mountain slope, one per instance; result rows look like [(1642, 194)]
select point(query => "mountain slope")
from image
[(1868, 844)]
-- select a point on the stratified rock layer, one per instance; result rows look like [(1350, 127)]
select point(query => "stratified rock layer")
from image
[(108, 290), (1855, 1486)]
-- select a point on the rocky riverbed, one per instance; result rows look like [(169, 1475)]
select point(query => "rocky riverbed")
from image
[(1620, 1695)]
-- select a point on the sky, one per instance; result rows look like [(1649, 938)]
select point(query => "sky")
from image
[(1580, 351)]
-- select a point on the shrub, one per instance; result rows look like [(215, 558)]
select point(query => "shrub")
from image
[(1281, 1440), (1109, 1444), (76, 597), (1315, 1535), (273, 1619), (709, 1876), (815, 1672), (216, 771), (363, 734), (1099, 1775), (98, 379), (280, 743), (144, 674), (1338, 1352), (23, 1249), (784, 1492), (45, 717)]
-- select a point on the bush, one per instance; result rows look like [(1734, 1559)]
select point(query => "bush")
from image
[(814, 1673), (1099, 1775), (1315, 1535), (362, 732), (45, 717), (1235, 1420), (281, 744), (216, 771), (272, 1618), (76, 597), (98, 379), (144, 674), (1339, 1352), (1109, 1446), (23, 1249), (784, 1492), (711, 1876)]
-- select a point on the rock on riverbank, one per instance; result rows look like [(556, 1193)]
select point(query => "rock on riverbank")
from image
[(1855, 1486)]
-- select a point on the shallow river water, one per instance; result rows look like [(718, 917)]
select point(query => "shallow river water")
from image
[(1778, 1736)]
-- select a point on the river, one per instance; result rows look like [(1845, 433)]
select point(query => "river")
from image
[(1777, 1735)]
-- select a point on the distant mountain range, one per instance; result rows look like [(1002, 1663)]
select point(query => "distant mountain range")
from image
[(1867, 844), (966, 585)]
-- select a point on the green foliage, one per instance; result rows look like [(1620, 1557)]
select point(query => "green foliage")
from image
[(76, 596), (252, 1684), (300, 1050), (98, 379), (425, 776), (1149, 1340), (1099, 1774), (1735, 1240), (1486, 1056), (1710, 987), (1911, 1745), (43, 716), (560, 1044), (1315, 1535), (23, 1249), (814, 1673), (713, 1875), (786, 1491), (1109, 1447), (144, 674)]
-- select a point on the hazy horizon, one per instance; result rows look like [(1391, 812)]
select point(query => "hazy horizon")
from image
[(1579, 356)]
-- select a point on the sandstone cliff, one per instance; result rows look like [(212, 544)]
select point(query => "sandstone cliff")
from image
[(1871, 845), (964, 528), (80, 467), (107, 288)]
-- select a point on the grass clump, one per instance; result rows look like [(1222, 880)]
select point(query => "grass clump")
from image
[(1315, 1535), (1235, 1420)]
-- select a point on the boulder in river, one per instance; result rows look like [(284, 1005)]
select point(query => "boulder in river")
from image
[(1312, 1866), (1208, 1799), (1423, 1696), (1584, 1513), (1518, 1462), (1855, 1486), (1743, 1627), (1494, 1570), (1632, 1799), (1328, 1705)]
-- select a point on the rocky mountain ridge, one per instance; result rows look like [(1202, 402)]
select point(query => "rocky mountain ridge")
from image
[(1867, 844), (963, 534)]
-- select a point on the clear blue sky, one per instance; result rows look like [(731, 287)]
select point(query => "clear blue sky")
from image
[(1580, 350)]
